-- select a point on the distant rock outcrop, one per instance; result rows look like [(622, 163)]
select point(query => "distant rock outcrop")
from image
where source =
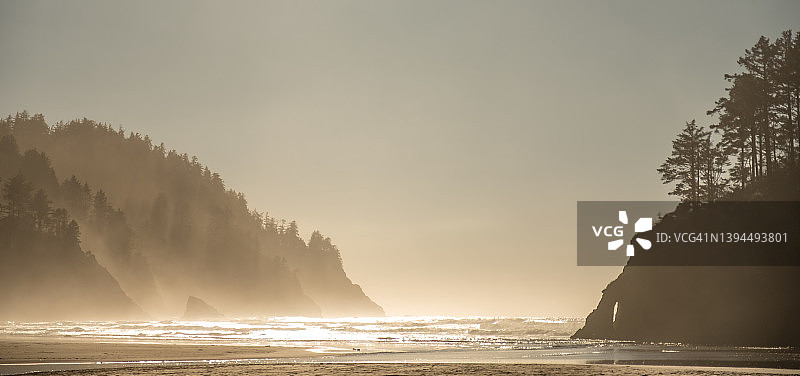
[(197, 309), (732, 305)]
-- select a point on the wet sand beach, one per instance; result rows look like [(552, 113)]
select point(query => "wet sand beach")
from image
[(81, 357), (413, 369), (53, 351)]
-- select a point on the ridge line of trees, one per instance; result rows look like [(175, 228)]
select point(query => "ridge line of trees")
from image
[(757, 126), (23, 124), (22, 204), (166, 225)]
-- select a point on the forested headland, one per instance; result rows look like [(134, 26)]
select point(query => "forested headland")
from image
[(750, 152), (163, 225)]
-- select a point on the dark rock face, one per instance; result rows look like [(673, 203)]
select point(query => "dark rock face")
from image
[(197, 309), (733, 305), (329, 286), (43, 277)]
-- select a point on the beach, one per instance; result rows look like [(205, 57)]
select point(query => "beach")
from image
[(365, 345), (307, 369), (60, 351), (81, 357), (19, 355)]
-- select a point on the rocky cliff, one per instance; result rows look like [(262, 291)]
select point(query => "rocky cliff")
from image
[(46, 276), (736, 294)]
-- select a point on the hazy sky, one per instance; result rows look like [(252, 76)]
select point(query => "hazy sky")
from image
[(441, 144)]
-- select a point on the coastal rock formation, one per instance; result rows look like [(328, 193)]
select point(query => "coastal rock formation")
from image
[(48, 277), (197, 309), (732, 305)]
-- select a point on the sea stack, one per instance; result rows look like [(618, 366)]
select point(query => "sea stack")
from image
[(197, 309)]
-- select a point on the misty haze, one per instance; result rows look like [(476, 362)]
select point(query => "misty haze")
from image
[(390, 187)]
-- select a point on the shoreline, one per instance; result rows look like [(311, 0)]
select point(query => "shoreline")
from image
[(67, 356), (413, 369), (20, 350)]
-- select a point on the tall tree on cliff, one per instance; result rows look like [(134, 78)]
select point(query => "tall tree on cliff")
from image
[(687, 162)]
